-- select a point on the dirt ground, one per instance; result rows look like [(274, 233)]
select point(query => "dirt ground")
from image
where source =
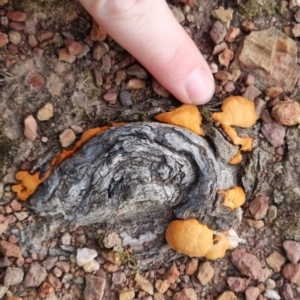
[(103, 84)]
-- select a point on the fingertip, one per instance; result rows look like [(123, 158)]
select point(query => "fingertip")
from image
[(199, 86)]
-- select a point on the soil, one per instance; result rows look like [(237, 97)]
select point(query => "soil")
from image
[(78, 99)]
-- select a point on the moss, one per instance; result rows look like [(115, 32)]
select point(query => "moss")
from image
[(255, 8)]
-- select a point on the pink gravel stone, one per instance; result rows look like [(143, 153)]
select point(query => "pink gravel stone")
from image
[(3, 39), (30, 128), (17, 16), (9, 249), (292, 251)]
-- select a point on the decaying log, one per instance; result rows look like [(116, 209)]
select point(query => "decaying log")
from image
[(135, 179)]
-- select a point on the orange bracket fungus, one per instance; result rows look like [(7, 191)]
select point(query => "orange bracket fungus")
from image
[(234, 197), (194, 239), (186, 116), (237, 111)]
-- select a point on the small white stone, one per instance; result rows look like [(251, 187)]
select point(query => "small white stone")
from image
[(85, 255), (272, 294), (67, 137), (270, 284), (66, 239), (21, 215), (91, 266)]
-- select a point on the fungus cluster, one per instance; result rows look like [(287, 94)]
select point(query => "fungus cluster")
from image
[(194, 239), (237, 111)]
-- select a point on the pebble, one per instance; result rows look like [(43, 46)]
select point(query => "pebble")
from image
[(111, 97), (17, 16), (14, 37), (85, 255), (144, 284), (191, 266), (226, 57), (274, 133), (274, 92), (35, 80), (286, 112), (259, 207), (106, 64), (43, 35), (111, 267), (99, 50), (218, 32), (66, 239), (205, 273), (3, 39), (292, 251), (45, 290), (248, 26), (67, 138), (251, 92), (185, 294), (291, 272), (21, 215), (296, 30), (287, 292), (297, 16), (229, 86), (64, 55), (260, 105), (126, 295), (272, 213), (9, 249), (73, 47), (97, 34), (272, 294), (91, 266), (49, 262), (135, 84), (172, 274), (15, 205), (120, 77), (252, 293), (227, 296), (246, 263), (13, 276), (35, 275), (118, 278), (3, 227), (162, 285), (219, 48), (54, 281), (238, 284), (232, 34), (275, 260), (16, 26), (224, 16), (159, 89), (137, 71), (45, 113)]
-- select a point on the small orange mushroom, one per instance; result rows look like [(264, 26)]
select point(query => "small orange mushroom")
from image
[(28, 183), (234, 197), (237, 111), (186, 116), (194, 239)]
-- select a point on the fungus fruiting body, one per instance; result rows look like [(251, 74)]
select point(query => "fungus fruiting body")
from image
[(237, 111), (194, 239), (186, 116), (234, 197)]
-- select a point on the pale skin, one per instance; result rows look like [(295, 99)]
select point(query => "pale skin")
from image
[(149, 31)]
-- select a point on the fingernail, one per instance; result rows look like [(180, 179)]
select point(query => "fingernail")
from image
[(200, 86)]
